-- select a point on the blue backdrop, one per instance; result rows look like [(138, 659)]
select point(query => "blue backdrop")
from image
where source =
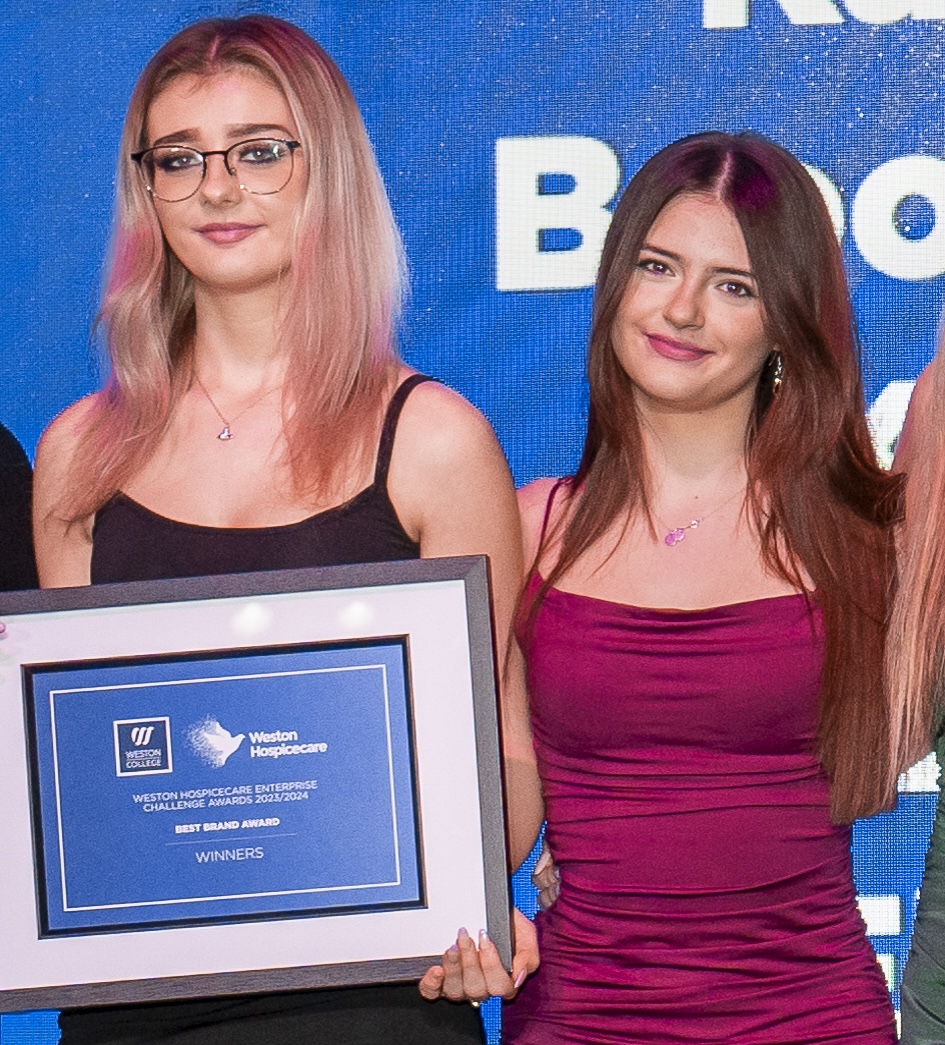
[(504, 131)]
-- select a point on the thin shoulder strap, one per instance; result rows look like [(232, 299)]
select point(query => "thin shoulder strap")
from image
[(550, 504), (386, 446)]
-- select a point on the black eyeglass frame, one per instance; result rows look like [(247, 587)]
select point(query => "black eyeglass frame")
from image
[(138, 158)]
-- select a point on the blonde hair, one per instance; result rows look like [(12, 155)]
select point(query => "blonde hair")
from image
[(915, 660), (343, 293)]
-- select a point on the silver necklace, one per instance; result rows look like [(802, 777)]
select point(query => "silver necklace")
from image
[(227, 431)]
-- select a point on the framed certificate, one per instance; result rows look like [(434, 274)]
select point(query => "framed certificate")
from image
[(245, 783)]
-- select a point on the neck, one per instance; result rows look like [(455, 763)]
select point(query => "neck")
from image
[(236, 341), (694, 454)]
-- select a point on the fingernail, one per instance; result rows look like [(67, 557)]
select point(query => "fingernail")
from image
[(453, 949), (483, 936), (462, 933), (520, 979)]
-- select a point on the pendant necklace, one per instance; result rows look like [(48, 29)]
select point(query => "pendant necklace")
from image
[(227, 432), (673, 537), (678, 533)]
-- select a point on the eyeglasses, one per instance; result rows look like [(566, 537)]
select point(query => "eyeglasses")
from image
[(174, 172)]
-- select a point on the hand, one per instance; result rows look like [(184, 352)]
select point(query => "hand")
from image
[(475, 974), (545, 878)]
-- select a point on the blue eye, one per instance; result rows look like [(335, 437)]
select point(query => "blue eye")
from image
[(176, 160), (262, 152)]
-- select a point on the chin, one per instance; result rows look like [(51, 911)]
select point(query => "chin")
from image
[(237, 282)]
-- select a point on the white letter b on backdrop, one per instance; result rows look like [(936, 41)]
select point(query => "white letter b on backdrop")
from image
[(551, 210)]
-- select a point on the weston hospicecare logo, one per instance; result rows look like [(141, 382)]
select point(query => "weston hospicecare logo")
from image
[(142, 746), (212, 743)]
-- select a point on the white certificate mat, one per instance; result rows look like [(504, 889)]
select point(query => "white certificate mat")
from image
[(245, 783)]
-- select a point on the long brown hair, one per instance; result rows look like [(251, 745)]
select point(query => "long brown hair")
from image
[(342, 295), (816, 494)]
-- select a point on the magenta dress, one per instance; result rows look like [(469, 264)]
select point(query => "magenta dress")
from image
[(705, 895)]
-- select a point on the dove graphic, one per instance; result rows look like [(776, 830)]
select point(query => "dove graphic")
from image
[(212, 743)]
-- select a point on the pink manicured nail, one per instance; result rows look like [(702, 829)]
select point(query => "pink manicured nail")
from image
[(453, 949), (462, 933), (520, 979), (483, 936)]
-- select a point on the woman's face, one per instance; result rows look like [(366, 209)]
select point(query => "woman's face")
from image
[(690, 330), (227, 238)]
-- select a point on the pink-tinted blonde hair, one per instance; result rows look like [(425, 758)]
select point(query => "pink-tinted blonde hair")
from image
[(342, 296), (816, 494), (915, 657)]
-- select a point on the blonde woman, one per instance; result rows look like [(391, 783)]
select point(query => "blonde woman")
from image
[(257, 415), (916, 678)]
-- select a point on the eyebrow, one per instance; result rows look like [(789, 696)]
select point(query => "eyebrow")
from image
[(717, 270), (233, 130)]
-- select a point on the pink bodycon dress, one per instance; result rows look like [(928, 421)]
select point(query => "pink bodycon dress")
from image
[(705, 895)]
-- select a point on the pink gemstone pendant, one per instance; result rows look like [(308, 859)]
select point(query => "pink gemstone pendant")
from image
[(675, 536), (225, 434)]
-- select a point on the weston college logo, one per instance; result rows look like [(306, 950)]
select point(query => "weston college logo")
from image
[(142, 746), (141, 735)]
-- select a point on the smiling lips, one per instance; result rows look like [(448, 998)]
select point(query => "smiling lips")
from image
[(669, 348), (224, 232)]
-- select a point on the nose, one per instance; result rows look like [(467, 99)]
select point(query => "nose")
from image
[(684, 305), (219, 185)]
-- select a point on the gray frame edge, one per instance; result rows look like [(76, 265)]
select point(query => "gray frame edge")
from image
[(473, 571), (260, 981), (485, 672), (237, 585)]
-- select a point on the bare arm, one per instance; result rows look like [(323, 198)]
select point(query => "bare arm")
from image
[(451, 486), (63, 552), (468, 973)]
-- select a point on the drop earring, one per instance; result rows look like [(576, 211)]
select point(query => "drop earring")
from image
[(778, 373)]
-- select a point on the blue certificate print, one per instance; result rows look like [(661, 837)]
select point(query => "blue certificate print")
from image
[(241, 784)]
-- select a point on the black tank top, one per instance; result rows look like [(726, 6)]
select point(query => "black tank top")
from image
[(132, 543)]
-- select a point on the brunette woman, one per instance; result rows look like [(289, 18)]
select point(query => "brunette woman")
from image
[(703, 629), (257, 415)]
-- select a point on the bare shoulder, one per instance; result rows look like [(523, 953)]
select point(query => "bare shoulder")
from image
[(924, 389), (58, 442), (923, 406), (442, 427), (63, 549), (449, 480), (63, 432), (533, 502)]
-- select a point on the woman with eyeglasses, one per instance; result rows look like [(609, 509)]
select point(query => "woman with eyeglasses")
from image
[(257, 415)]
